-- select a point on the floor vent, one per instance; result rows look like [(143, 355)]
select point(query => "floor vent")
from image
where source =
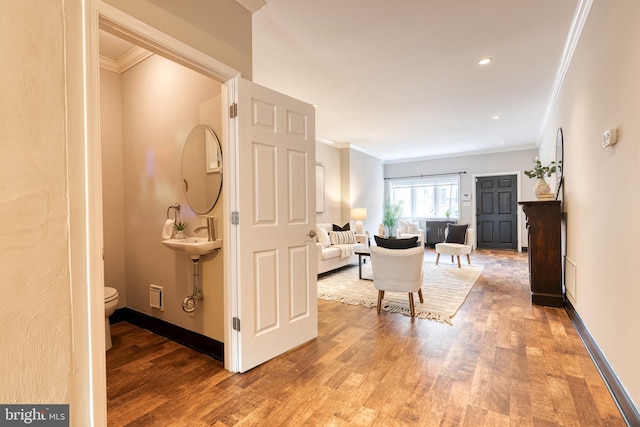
[(571, 281), (155, 297)]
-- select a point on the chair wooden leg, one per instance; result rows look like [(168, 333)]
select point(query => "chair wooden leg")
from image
[(411, 307), (437, 258), (458, 256), (468, 259), (380, 296), (420, 296)]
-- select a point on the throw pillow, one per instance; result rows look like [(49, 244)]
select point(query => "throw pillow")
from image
[(396, 243), (402, 226), (457, 233), (323, 237), (342, 237), (413, 229), (345, 227)]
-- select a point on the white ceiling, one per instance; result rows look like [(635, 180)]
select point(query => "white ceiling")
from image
[(399, 79)]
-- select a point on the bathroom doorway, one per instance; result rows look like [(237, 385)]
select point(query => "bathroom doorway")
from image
[(148, 107), (128, 28)]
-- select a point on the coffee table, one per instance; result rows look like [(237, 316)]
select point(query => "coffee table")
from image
[(362, 253)]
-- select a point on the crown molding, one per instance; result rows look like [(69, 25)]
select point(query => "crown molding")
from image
[(130, 59), (252, 5), (109, 64), (575, 32)]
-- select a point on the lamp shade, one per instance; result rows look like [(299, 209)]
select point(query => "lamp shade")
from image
[(358, 213)]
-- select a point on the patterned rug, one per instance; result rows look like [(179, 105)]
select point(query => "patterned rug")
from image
[(445, 289)]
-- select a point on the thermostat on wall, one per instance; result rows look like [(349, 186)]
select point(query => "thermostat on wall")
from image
[(609, 137)]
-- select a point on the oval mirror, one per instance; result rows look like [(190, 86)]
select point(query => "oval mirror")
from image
[(202, 169)]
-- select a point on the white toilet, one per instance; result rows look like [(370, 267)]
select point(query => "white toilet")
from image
[(110, 304)]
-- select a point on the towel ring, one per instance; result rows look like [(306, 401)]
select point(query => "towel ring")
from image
[(176, 209)]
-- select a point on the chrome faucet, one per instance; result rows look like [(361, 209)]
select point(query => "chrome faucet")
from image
[(210, 228)]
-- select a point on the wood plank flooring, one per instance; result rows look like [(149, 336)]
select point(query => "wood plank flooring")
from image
[(504, 362)]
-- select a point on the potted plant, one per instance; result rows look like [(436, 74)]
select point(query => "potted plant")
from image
[(180, 228), (541, 189), (447, 213), (391, 215)]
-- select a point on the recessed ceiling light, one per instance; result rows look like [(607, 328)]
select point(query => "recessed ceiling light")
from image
[(500, 142), (485, 61), (496, 117)]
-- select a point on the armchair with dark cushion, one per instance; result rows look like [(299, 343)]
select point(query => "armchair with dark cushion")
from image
[(459, 240)]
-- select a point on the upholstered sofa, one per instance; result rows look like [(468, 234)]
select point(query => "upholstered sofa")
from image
[(336, 248)]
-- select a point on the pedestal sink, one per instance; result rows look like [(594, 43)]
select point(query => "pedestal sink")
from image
[(195, 247)]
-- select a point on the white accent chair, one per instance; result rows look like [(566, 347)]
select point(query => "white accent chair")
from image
[(408, 228), (457, 249), (397, 270)]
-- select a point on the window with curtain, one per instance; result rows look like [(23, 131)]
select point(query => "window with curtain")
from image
[(427, 197)]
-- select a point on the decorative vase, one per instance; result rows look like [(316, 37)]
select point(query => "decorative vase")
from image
[(180, 234), (542, 189)]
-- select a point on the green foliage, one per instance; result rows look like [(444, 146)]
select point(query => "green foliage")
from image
[(391, 214), (180, 226), (540, 171)]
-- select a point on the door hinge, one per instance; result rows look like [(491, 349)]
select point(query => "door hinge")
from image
[(235, 217), (233, 110), (236, 324)]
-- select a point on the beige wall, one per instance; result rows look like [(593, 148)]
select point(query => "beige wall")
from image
[(602, 201), (352, 179), (220, 28), (160, 103), (113, 209), (36, 360), (366, 188), (329, 157)]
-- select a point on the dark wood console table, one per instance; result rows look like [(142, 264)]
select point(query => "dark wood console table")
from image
[(545, 256)]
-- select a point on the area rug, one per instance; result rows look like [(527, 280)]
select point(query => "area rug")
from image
[(445, 289)]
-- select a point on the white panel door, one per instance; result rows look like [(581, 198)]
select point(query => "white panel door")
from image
[(276, 265)]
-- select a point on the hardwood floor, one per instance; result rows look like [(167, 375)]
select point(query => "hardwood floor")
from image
[(504, 362)]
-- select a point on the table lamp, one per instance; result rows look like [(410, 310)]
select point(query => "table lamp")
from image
[(359, 214)]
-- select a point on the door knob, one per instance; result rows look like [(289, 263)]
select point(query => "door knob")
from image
[(312, 233)]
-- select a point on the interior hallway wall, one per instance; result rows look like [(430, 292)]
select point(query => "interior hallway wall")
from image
[(37, 356), (601, 91)]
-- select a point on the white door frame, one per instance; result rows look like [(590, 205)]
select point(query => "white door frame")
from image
[(89, 309)]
